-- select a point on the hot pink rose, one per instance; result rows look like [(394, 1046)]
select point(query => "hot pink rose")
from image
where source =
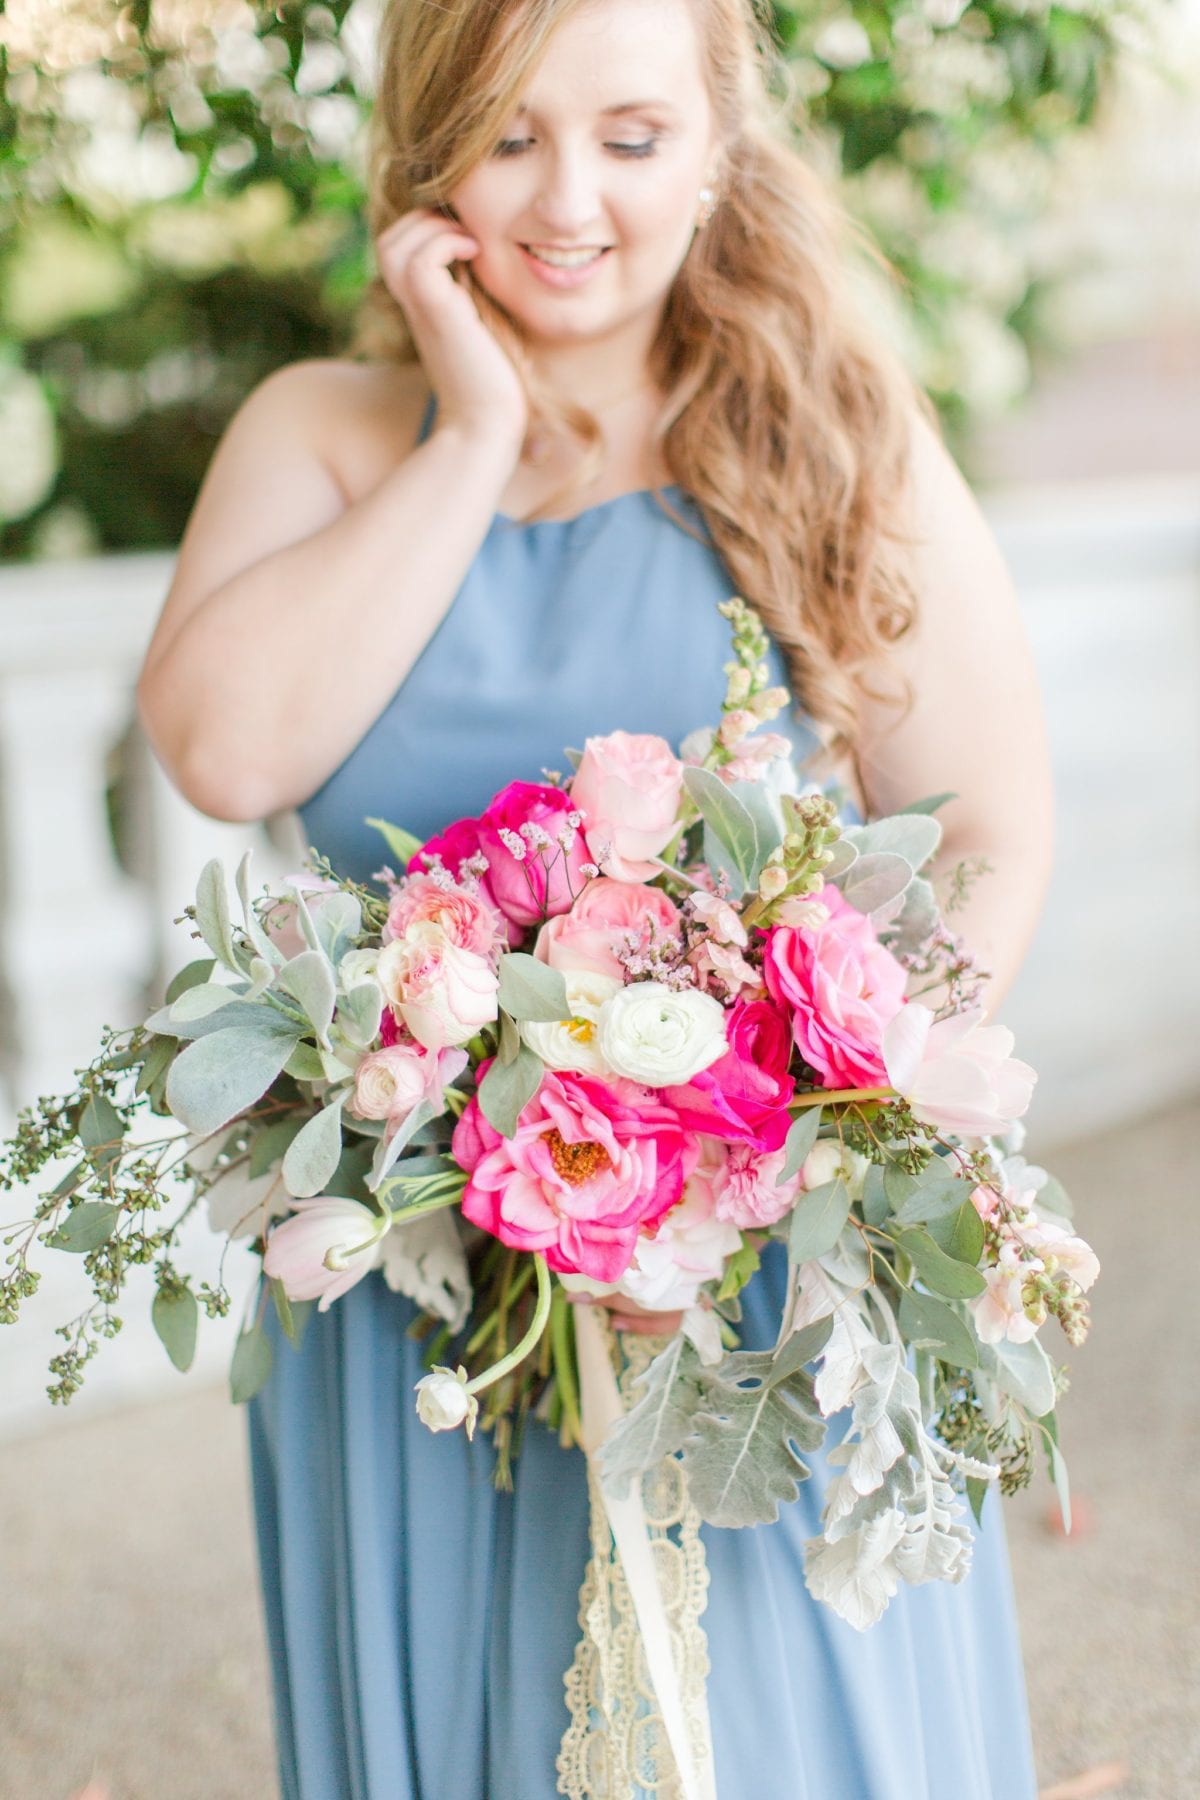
[(586, 937), (443, 994), (591, 1165), (841, 987), (543, 876), (627, 787), (467, 919), (744, 1095)]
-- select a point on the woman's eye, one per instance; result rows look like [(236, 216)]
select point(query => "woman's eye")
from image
[(510, 146), (644, 149)]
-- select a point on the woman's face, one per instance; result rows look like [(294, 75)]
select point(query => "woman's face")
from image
[(587, 205)]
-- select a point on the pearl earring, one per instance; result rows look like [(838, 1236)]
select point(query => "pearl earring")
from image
[(708, 205)]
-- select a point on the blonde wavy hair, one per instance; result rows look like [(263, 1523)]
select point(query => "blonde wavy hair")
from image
[(786, 417)]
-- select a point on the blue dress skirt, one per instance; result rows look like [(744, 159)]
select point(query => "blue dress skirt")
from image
[(419, 1622)]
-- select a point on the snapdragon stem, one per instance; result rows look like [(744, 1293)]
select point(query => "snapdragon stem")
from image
[(825, 1096), (537, 1326)]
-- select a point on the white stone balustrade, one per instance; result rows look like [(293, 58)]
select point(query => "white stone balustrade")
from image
[(1106, 1006)]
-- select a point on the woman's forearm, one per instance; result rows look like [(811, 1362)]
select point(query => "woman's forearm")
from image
[(272, 679)]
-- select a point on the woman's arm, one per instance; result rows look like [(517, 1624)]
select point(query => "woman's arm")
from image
[(976, 726), (304, 595)]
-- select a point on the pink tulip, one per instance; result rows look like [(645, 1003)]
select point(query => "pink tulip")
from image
[(957, 1074)]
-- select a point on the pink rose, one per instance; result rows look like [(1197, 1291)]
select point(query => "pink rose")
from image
[(627, 787), (454, 845), (588, 935), (323, 1249), (389, 1083), (748, 1190), (591, 1165), (744, 1095), (841, 988), (467, 919), (443, 994), (535, 856), (957, 1074)]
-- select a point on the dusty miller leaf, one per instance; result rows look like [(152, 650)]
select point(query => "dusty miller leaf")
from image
[(741, 1456), (656, 1425)]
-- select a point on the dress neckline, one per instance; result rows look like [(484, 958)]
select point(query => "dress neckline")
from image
[(670, 489)]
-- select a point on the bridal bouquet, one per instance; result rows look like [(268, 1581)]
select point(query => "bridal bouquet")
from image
[(611, 1037)]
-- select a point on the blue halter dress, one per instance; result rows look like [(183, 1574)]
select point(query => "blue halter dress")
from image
[(420, 1622)]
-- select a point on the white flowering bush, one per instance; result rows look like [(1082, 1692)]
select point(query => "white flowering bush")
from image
[(181, 210)]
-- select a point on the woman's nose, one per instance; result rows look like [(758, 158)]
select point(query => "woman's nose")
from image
[(567, 196)]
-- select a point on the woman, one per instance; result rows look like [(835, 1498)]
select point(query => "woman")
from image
[(617, 377)]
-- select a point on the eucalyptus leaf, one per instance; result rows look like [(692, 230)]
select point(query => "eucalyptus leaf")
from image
[(509, 1087), (86, 1227), (574, 757), (197, 1002), (220, 1075), (935, 1195), (338, 921), (213, 919), (402, 844), (874, 1196), (801, 1137), (931, 1324), (388, 1149), (817, 1219), (1053, 1197), (801, 1348), (1022, 1370), (252, 1359), (530, 989), (308, 978), (977, 1494), (875, 880), (175, 1316), (312, 1156), (959, 1233), (937, 1270), (194, 974), (268, 951), (101, 1133), (358, 1013), (304, 1064), (270, 1144)]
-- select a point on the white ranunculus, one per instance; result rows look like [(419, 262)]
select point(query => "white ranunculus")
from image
[(827, 1160), (357, 967), (659, 1035), (443, 1402), (571, 1043)]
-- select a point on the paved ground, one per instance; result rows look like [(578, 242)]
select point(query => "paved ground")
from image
[(130, 1641)]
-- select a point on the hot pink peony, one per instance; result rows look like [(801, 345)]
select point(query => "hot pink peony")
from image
[(587, 936), (628, 787), (541, 877), (744, 1095), (466, 918), (591, 1165), (841, 988), (957, 1074)]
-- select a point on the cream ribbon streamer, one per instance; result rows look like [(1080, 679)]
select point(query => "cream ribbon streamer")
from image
[(687, 1728)]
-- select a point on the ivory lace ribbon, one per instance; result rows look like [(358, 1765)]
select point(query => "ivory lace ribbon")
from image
[(636, 1695)]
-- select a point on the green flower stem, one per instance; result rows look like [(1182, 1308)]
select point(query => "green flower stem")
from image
[(827, 1096), (564, 1368), (537, 1326)]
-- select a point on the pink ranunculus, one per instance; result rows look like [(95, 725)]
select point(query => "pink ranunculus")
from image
[(454, 845), (748, 1191), (690, 1246), (957, 1074), (443, 994), (389, 1083), (543, 880), (743, 1096), (587, 937), (467, 919), (841, 987), (628, 786), (590, 1165), (297, 1249)]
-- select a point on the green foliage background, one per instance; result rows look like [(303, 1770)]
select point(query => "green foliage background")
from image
[(181, 212)]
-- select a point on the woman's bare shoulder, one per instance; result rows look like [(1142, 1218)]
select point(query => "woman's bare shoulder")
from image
[(343, 408)]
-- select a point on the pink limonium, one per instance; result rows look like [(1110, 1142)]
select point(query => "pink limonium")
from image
[(467, 919), (326, 1247), (840, 987), (536, 849), (590, 1166), (628, 787), (957, 1074), (444, 994), (589, 936)]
